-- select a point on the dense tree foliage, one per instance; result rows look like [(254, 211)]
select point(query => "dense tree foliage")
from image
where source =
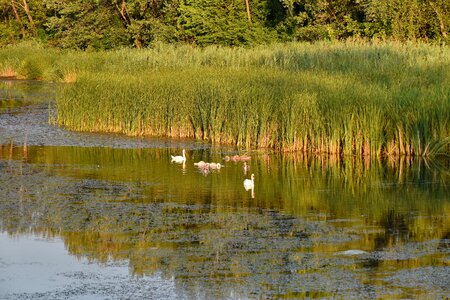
[(106, 24)]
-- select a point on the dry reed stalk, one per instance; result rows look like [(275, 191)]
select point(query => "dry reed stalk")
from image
[(8, 72)]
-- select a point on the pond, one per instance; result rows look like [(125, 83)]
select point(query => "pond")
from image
[(95, 216)]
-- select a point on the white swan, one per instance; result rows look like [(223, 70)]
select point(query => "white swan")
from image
[(179, 159), (249, 183)]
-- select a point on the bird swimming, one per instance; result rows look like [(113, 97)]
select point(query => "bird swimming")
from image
[(179, 159), (206, 165), (235, 157), (249, 183), (200, 164), (245, 157), (215, 166)]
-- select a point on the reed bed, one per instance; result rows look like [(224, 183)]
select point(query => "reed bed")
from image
[(343, 98)]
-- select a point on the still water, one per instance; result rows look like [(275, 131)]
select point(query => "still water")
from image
[(91, 216)]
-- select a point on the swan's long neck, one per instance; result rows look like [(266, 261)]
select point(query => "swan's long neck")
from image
[(184, 153)]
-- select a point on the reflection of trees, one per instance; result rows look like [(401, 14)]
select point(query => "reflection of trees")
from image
[(133, 205)]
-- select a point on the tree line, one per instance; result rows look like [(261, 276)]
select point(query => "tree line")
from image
[(107, 24)]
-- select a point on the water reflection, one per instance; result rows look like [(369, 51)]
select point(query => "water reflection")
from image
[(217, 239), (17, 94)]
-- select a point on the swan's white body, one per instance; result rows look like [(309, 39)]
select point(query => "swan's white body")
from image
[(179, 159), (249, 183)]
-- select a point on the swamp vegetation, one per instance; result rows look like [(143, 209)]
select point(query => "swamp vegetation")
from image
[(128, 223), (340, 98), (343, 105)]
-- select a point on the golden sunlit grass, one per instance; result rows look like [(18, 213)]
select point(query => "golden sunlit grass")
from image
[(8, 72)]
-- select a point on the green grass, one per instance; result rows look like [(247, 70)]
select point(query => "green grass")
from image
[(350, 98)]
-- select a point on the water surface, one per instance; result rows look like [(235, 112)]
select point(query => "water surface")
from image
[(98, 216)]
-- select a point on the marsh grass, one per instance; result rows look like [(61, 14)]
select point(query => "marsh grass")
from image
[(351, 98)]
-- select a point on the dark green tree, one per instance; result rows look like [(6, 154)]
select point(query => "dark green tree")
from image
[(107, 24), (10, 28), (223, 22), (84, 24), (148, 21), (324, 19), (21, 19), (409, 20)]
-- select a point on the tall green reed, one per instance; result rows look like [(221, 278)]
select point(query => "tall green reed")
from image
[(340, 98)]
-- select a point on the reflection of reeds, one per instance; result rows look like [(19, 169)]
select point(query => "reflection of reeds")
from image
[(97, 218), (296, 181)]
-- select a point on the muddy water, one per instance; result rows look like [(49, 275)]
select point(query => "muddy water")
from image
[(105, 216)]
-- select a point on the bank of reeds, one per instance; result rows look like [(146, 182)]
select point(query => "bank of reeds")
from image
[(337, 98)]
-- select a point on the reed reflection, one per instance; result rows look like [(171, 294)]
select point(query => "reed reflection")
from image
[(132, 204)]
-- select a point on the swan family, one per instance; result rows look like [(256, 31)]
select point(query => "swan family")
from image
[(237, 158), (205, 167)]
